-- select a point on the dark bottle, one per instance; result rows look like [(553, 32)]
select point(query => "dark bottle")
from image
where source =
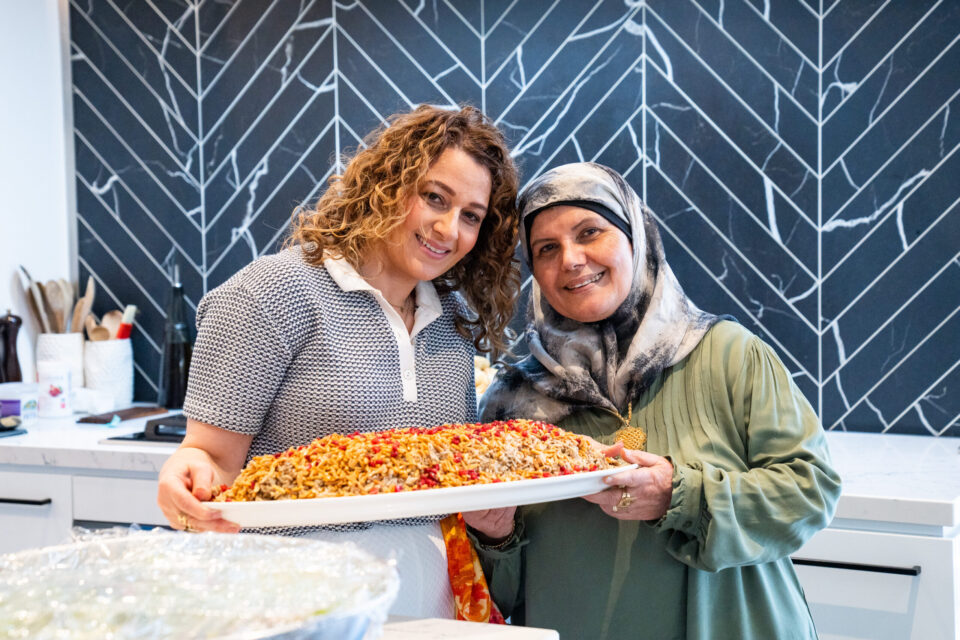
[(10, 365), (177, 348)]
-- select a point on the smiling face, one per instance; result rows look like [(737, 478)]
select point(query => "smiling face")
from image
[(582, 262), (443, 219)]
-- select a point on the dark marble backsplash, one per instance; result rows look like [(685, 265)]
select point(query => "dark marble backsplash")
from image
[(801, 156)]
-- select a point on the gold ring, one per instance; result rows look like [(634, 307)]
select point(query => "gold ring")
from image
[(185, 523), (625, 500)]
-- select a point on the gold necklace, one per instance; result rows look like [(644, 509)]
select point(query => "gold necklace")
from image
[(407, 306)]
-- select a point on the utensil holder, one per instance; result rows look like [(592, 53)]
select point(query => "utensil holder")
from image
[(63, 347), (108, 366)]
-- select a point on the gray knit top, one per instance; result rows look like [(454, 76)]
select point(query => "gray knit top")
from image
[(288, 352)]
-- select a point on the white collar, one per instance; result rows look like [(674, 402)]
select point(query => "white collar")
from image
[(428, 302)]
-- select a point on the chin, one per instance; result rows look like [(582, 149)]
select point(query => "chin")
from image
[(586, 313)]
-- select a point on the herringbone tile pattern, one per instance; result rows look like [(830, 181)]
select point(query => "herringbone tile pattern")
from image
[(801, 156)]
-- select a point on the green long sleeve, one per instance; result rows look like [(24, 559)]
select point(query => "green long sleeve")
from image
[(752, 482), (765, 501)]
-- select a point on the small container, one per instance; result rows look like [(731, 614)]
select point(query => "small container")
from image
[(53, 389), (19, 399)]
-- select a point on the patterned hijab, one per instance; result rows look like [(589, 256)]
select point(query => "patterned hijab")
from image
[(574, 365)]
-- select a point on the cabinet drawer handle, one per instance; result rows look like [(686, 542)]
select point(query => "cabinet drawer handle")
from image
[(36, 503), (853, 566)]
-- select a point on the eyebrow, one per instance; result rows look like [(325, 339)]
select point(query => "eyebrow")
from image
[(586, 220), (450, 191)]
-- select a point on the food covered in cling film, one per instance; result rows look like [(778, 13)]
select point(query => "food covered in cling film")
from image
[(415, 458)]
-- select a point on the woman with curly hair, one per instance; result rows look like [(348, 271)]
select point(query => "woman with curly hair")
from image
[(368, 319)]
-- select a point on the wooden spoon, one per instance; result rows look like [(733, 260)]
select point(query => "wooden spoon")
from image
[(35, 300), (112, 320), (82, 310), (95, 332), (66, 302), (54, 303)]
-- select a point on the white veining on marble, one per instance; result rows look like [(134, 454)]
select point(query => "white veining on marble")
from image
[(845, 88), (840, 223)]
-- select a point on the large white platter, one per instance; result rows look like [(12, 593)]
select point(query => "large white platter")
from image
[(409, 504)]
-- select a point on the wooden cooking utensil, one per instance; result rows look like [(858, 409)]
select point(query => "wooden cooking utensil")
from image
[(35, 300), (112, 320), (66, 302), (54, 303), (94, 331), (82, 309)]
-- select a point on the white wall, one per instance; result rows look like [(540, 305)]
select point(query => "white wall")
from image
[(37, 212)]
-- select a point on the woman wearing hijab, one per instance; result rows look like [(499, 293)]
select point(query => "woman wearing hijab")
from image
[(736, 475)]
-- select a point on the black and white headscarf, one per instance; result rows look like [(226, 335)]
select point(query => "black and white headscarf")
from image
[(574, 365)]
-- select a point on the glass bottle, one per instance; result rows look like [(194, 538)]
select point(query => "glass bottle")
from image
[(177, 348)]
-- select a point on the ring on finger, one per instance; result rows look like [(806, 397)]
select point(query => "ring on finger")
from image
[(185, 523), (625, 500)]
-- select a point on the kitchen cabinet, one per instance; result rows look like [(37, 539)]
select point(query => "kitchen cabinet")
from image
[(35, 510), (60, 475), (888, 567)]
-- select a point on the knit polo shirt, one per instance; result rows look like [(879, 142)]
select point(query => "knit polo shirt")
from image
[(287, 352)]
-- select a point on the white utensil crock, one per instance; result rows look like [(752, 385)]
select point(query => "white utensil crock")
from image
[(108, 366)]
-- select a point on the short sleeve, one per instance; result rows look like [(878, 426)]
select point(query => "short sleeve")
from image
[(239, 361)]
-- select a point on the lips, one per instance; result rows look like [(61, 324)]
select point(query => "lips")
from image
[(580, 283), (433, 249)]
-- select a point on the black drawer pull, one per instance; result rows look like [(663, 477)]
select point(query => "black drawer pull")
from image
[(853, 566), (35, 503)]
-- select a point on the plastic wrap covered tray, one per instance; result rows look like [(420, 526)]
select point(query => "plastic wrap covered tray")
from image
[(159, 584)]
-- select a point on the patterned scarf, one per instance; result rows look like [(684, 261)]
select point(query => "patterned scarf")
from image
[(574, 365)]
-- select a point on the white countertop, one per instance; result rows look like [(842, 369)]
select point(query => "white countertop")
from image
[(64, 443), (898, 478), (886, 478)]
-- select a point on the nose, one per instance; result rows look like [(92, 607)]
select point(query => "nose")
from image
[(572, 256), (447, 224)]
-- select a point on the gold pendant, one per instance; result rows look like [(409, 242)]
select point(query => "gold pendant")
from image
[(631, 437)]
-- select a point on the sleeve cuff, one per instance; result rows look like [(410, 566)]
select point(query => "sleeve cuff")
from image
[(685, 512), (503, 549)]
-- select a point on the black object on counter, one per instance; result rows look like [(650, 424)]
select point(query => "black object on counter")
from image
[(170, 428), (165, 429), (123, 414), (177, 348), (9, 362)]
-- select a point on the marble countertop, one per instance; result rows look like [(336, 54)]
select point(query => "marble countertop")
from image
[(62, 442), (886, 478), (898, 478)]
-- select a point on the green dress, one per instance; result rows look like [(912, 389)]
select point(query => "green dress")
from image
[(752, 482)]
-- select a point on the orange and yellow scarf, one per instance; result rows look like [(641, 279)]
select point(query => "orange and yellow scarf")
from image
[(470, 593)]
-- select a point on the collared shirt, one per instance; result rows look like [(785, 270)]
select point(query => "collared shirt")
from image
[(428, 310), (288, 352)]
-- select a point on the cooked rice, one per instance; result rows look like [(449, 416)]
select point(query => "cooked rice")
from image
[(416, 458)]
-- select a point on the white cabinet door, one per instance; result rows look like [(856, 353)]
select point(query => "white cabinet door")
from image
[(116, 500), (880, 586), (35, 510)]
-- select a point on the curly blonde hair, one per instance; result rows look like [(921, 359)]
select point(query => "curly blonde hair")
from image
[(361, 207)]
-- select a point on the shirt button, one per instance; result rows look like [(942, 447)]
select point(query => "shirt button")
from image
[(407, 374)]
